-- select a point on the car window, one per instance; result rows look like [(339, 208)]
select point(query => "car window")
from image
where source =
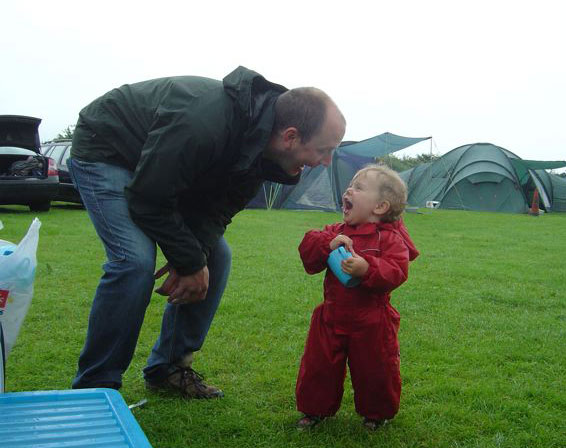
[(57, 152), (66, 155), (45, 150)]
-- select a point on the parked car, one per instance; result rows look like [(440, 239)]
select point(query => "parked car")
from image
[(26, 176), (60, 150)]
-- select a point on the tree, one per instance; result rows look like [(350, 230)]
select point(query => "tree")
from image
[(66, 134), (406, 162)]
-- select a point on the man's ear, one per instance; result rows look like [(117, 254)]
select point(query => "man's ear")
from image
[(289, 136), (382, 208)]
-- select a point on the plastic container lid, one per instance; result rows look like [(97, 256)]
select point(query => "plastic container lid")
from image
[(68, 418)]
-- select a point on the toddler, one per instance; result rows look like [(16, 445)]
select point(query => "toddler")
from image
[(357, 325)]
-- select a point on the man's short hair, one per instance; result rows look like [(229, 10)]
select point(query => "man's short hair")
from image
[(390, 188), (304, 108)]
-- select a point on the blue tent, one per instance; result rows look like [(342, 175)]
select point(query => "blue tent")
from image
[(321, 188)]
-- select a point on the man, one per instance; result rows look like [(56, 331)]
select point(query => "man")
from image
[(169, 162)]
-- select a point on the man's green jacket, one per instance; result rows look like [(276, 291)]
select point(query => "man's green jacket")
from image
[(194, 145)]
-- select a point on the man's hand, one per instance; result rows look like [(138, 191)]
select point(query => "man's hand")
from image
[(342, 240), (170, 282), (356, 266), (183, 289)]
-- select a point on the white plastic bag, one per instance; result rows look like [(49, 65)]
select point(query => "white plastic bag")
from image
[(2, 361), (17, 272)]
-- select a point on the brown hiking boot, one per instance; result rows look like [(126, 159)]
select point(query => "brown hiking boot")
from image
[(188, 383)]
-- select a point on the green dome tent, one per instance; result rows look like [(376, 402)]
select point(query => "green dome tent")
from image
[(483, 176)]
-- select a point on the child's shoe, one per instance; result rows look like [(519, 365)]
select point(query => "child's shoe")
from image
[(308, 421), (372, 424)]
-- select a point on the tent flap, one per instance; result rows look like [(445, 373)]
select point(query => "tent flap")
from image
[(539, 164), (380, 145)]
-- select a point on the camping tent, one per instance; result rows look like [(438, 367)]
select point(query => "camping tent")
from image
[(558, 185), (483, 176), (321, 188), (552, 189)]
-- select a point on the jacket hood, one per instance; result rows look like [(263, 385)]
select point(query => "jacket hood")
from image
[(251, 91), (401, 230), (254, 98)]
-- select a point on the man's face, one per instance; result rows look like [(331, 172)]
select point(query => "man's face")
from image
[(318, 150)]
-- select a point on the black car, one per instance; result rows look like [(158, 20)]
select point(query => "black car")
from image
[(26, 176), (60, 150)]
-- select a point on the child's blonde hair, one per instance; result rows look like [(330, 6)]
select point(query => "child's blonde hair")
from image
[(390, 188)]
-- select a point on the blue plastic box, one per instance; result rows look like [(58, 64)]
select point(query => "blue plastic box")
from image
[(335, 263), (68, 418)]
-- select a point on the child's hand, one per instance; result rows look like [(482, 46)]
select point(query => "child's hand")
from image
[(356, 266), (342, 240)]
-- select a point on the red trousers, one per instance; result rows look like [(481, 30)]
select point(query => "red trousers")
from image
[(372, 353)]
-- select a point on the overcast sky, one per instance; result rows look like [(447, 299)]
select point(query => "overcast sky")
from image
[(461, 72)]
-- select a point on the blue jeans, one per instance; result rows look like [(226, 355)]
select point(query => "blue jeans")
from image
[(126, 287)]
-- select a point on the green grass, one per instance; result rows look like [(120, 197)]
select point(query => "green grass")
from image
[(483, 333)]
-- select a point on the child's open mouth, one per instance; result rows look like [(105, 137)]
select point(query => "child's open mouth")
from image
[(346, 205)]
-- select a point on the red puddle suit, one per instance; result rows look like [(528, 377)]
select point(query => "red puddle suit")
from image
[(357, 325)]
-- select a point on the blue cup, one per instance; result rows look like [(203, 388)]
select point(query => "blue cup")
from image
[(335, 263)]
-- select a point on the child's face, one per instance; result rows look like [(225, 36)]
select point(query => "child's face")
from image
[(361, 202)]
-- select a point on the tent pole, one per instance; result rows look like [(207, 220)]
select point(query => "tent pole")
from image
[(332, 181)]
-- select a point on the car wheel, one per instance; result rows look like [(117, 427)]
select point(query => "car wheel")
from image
[(40, 206)]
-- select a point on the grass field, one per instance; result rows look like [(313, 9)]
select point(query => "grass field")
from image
[(483, 333)]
